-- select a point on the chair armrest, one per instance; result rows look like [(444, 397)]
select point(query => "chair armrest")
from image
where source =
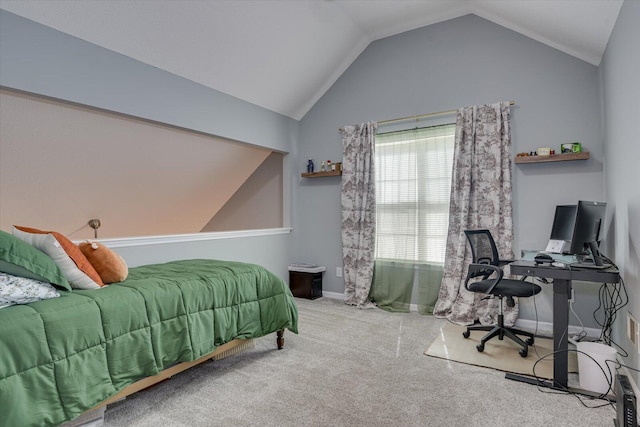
[(484, 270)]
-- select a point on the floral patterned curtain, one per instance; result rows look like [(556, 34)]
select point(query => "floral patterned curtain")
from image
[(480, 198), (358, 211)]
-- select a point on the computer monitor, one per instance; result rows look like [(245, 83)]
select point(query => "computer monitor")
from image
[(563, 222), (586, 231)]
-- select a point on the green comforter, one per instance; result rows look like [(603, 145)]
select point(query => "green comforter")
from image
[(61, 357)]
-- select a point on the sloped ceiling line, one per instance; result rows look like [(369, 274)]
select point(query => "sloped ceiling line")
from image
[(284, 55)]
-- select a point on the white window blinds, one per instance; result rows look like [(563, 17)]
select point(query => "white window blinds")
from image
[(413, 182)]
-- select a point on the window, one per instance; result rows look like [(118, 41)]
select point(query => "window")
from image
[(413, 184)]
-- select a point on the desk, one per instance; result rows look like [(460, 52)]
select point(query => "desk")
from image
[(562, 278)]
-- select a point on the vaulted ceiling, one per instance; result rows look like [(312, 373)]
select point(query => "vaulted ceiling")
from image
[(284, 55)]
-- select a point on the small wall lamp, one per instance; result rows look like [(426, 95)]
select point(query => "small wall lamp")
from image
[(95, 224)]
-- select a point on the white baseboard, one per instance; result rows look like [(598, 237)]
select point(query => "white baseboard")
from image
[(340, 296), (543, 328), (546, 328), (333, 295)]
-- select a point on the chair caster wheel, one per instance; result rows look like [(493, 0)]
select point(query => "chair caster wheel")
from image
[(530, 341), (480, 348), (524, 352), (466, 334)]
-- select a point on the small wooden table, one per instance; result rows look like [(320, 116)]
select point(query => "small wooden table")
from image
[(305, 281)]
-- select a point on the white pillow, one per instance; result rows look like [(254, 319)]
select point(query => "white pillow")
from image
[(20, 290), (73, 264)]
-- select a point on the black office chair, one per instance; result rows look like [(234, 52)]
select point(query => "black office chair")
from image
[(486, 264)]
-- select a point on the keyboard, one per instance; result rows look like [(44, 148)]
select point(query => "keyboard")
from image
[(590, 265)]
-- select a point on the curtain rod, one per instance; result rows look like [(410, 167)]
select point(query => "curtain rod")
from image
[(421, 116), (424, 116)]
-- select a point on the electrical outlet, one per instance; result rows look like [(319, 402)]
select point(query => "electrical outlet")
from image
[(338, 271), (633, 333)]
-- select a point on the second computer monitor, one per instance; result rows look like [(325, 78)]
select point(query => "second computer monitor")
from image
[(563, 223)]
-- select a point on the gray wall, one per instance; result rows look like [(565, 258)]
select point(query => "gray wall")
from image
[(41, 60), (620, 69), (464, 61), (38, 59), (270, 251)]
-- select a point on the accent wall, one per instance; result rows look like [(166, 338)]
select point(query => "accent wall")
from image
[(448, 65)]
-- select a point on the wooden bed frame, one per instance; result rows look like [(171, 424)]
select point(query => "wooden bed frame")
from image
[(235, 345)]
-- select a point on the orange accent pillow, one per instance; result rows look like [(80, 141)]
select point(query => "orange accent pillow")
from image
[(109, 265), (74, 265)]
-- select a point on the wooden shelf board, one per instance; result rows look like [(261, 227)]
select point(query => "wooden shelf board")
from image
[(553, 158), (321, 174)]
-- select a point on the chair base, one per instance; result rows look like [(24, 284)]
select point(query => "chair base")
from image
[(501, 331)]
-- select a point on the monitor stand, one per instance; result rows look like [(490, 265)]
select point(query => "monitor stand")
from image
[(595, 253)]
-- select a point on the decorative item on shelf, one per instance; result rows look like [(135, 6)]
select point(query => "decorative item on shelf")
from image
[(327, 168), (573, 147), (544, 151), (551, 157)]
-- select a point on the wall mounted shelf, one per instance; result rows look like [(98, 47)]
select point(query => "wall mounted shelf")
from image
[(553, 158), (321, 174)]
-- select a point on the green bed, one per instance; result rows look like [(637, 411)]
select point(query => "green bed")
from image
[(63, 356)]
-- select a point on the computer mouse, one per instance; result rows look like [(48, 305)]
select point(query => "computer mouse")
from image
[(542, 257)]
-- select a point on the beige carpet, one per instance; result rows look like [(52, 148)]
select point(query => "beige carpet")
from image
[(349, 368), (501, 355)]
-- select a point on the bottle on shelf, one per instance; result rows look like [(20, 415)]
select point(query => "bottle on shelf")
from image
[(322, 167), (329, 165), (310, 166)]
